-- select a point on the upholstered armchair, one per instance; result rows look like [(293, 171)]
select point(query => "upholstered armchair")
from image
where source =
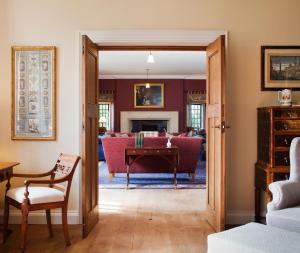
[(284, 209), (42, 194)]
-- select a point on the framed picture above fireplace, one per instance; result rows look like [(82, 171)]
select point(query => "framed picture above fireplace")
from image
[(149, 95)]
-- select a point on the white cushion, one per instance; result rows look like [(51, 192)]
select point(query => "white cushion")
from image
[(37, 194), (254, 238), (288, 219)]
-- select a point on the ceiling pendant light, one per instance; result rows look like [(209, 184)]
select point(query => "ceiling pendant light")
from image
[(150, 58), (147, 84)]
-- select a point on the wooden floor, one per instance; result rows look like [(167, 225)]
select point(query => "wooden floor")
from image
[(132, 221)]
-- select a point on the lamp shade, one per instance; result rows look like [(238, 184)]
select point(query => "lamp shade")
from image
[(150, 58), (102, 119)]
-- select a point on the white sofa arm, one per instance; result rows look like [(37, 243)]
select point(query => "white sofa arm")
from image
[(285, 194)]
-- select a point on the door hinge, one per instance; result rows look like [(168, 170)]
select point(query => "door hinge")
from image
[(82, 49)]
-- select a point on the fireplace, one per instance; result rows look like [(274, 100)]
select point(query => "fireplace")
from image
[(149, 125), (170, 119)]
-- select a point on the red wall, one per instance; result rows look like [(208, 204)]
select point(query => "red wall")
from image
[(175, 96)]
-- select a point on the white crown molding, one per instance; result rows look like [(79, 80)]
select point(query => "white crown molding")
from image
[(154, 37), (186, 77)]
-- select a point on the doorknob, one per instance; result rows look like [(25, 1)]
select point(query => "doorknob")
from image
[(222, 126)]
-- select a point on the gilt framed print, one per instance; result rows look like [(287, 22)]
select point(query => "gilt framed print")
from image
[(280, 67), (149, 95), (33, 93)]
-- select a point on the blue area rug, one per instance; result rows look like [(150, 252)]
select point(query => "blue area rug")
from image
[(153, 180)]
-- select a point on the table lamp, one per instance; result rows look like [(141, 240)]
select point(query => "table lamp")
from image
[(102, 120)]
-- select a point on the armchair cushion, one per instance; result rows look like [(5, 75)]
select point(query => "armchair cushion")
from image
[(285, 194), (287, 219), (37, 194)]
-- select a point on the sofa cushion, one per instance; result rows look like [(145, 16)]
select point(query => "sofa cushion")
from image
[(254, 238), (37, 194), (288, 219)]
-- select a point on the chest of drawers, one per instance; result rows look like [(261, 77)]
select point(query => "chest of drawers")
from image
[(276, 128)]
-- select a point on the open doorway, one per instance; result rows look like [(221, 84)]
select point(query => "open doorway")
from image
[(164, 98), (215, 115)]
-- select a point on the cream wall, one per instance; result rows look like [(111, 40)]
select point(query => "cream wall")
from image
[(250, 24)]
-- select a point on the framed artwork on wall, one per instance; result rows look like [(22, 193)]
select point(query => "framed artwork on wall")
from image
[(280, 67), (33, 93), (149, 95)]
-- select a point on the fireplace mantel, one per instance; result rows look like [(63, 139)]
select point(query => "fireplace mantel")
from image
[(170, 116)]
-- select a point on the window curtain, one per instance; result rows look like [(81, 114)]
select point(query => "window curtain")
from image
[(196, 97), (106, 96)]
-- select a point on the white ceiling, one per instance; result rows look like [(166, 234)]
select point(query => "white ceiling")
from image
[(168, 64)]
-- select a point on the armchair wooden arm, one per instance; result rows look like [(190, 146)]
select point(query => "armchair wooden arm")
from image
[(50, 182), (34, 175)]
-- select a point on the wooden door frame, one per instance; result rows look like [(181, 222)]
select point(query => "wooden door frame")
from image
[(144, 47)]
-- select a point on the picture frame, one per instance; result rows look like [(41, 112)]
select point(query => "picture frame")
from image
[(149, 95), (33, 93), (280, 68)]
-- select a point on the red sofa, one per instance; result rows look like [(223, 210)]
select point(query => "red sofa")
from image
[(189, 149)]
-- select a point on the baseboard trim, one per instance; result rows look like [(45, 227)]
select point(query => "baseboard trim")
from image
[(239, 217), (39, 217)]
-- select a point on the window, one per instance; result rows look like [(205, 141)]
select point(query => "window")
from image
[(196, 116), (105, 115)]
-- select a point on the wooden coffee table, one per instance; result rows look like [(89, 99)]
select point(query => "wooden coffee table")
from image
[(134, 154)]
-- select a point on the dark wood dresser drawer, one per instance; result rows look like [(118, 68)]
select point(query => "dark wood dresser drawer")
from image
[(287, 125), (282, 158), (284, 140), (281, 176), (283, 113)]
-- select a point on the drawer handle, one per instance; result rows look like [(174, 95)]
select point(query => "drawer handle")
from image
[(289, 114), (286, 141), (286, 160), (285, 126)]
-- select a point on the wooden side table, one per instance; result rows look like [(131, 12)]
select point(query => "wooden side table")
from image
[(134, 154), (6, 172)]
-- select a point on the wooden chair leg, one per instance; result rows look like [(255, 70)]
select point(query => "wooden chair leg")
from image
[(48, 216), (5, 219), (24, 227), (193, 177), (65, 226), (111, 175)]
